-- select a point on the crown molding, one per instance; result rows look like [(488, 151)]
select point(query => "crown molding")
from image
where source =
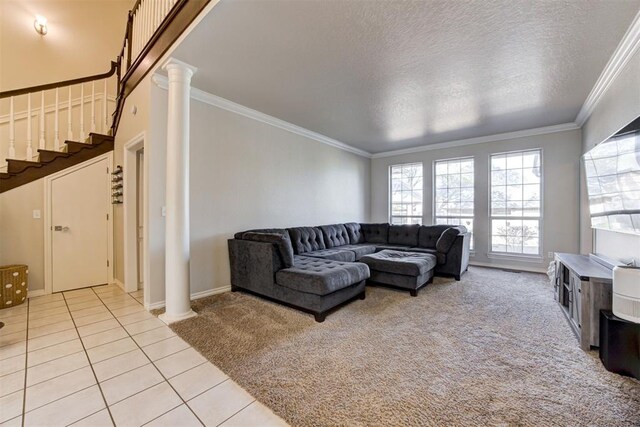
[(621, 56), (216, 101), (481, 140)]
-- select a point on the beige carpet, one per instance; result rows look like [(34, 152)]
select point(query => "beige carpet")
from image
[(493, 349)]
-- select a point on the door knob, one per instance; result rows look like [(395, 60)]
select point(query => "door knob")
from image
[(60, 228)]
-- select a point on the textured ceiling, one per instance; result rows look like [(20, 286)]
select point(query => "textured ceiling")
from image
[(387, 75)]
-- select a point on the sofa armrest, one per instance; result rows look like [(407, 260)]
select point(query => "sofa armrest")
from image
[(457, 258), (253, 264)]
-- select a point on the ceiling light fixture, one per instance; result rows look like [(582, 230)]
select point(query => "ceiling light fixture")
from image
[(40, 24)]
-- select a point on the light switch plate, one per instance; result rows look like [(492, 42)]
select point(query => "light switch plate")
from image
[(36, 214), (164, 211)]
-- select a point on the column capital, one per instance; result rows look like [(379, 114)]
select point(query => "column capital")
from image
[(173, 64)]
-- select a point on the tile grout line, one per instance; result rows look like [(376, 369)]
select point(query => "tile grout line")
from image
[(61, 397), (91, 366), (204, 391), (57, 376), (236, 413), (161, 374), (57, 358), (26, 360)]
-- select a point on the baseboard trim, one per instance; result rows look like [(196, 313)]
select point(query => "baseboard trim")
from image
[(118, 283), (509, 267), (195, 295), (36, 293)]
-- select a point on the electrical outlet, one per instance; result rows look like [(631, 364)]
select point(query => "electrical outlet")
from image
[(550, 255)]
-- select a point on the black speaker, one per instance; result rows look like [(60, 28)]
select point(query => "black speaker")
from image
[(619, 345)]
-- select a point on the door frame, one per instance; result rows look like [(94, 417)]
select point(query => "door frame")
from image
[(48, 243), (130, 196)]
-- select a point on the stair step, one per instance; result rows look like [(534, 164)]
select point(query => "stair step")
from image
[(75, 147), (47, 156), (98, 138), (17, 166), (21, 172)]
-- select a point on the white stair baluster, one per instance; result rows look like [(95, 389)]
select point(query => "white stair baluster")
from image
[(42, 142), (105, 130), (145, 24), (152, 17), (82, 135), (56, 124), (93, 106), (134, 38), (69, 128), (12, 130), (29, 147)]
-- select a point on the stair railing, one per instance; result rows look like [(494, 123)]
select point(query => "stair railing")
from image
[(148, 20), (43, 117), (149, 32)]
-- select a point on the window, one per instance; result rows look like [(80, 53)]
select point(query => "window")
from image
[(515, 202), (453, 193), (613, 181), (406, 194)]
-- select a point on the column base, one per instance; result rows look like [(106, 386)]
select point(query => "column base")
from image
[(168, 319)]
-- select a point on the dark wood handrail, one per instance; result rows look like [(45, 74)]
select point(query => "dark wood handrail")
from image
[(180, 16), (49, 86)]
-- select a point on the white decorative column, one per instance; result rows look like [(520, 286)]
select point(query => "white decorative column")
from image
[(177, 240)]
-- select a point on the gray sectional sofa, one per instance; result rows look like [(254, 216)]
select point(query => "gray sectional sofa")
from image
[(317, 269)]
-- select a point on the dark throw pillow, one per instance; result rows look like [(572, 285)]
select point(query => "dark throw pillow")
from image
[(281, 240), (446, 240)]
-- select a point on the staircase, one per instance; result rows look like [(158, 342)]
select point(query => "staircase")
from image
[(20, 172), (86, 105)]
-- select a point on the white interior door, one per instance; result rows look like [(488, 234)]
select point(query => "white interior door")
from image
[(140, 216), (80, 227)]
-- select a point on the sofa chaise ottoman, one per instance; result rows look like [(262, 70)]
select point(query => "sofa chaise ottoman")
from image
[(263, 263), (401, 269)]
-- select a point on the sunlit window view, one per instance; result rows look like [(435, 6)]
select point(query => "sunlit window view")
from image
[(613, 181), (454, 193), (406, 193), (515, 202)]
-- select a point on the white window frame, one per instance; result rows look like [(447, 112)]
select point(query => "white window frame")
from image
[(390, 204), (519, 256), (433, 194)]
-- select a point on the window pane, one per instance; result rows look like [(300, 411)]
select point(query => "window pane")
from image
[(515, 198), (454, 193), (406, 193)]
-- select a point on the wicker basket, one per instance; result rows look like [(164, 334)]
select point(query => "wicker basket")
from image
[(14, 282)]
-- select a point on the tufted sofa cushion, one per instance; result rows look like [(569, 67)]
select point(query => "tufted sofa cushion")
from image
[(282, 241), (406, 235), (335, 254), (335, 235), (375, 233), (355, 233), (306, 239), (403, 263), (429, 234), (320, 276)]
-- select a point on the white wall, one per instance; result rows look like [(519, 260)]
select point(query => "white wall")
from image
[(561, 153), (619, 105), (83, 37), (248, 174), (22, 236)]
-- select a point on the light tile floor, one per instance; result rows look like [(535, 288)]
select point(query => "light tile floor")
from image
[(96, 357)]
